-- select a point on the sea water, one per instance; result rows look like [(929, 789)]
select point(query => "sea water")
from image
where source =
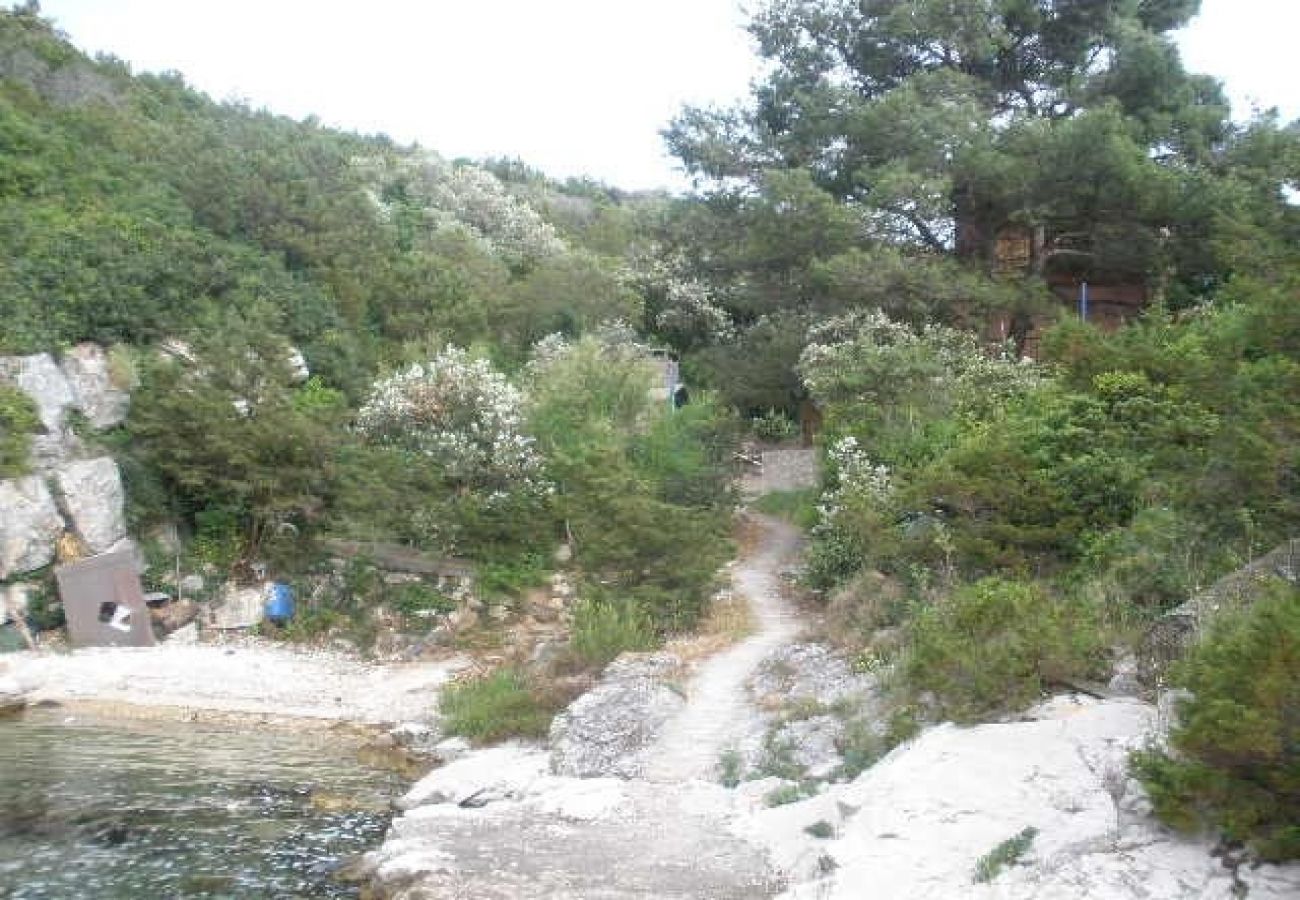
[(90, 809)]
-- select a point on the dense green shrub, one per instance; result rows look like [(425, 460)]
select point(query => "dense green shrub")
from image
[(496, 707), (1234, 756), (602, 629), (643, 490), (18, 420), (773, 425), (1008, 853), (998, 645)]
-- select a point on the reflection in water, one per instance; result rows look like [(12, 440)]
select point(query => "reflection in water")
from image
[(168, 810)]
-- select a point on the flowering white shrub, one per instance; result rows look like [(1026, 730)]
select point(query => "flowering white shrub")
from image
[(855, 479), (615, 341), (460, 198), (857, 472), (462, 415), (868, 356), (683, 308)]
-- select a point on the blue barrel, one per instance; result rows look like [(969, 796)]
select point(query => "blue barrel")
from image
[(279, 603)]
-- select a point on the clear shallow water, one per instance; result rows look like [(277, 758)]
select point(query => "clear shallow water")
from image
[(162, 810)]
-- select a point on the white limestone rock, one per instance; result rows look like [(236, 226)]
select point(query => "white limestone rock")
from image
[(15, 600), (30, 526), (86, 369), (93, 497), (916, 824), (38, 377), (498, 773), (609, 730)]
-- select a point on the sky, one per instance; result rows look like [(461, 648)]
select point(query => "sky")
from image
[(573, 87)]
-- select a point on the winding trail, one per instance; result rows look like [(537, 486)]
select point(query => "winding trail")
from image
[(717, 709), (666, 835)]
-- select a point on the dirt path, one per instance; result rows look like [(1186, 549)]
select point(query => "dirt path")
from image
[(664, 836), (718, 711)]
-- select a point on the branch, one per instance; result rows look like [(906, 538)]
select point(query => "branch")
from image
[(925, 232)]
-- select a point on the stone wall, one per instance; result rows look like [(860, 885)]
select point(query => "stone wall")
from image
[(74, 493)]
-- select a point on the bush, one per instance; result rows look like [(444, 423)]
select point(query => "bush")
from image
[(1234, 759), (798, 506), (18, 420), (998, 644), (604, 629), (1007, 853), (774, 426), (496, 707)]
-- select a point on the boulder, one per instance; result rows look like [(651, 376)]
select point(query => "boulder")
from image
[(608, 730), (809, 673), (172, 617), (492, 775), (15, 599), (103, 403), (240, 607), (30, 526), (93, 497), (1169, 637), (39, 378)]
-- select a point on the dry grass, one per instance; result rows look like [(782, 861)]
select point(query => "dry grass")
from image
[(728, 621)]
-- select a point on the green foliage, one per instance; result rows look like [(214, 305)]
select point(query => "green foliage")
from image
[(18, 420), (602, 629), (729, 768), (644, 490), (1234, 758), (774, 426), (798, 506), (417, 599), (227, 435), (1006, 854), (786, 794), (997, 645), (861, 748), (821, 829), (505, 574), (495, 707)]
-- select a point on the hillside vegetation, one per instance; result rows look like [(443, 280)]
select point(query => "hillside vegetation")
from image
[(475, 335)]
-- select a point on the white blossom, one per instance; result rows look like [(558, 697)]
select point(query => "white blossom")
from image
[(464, 416), (460, 198)]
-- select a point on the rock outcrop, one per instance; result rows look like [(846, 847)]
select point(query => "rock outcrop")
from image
[(91, 492), (495, 824), (1169, 637), (30, 525), (66, 492), (608, 730), (40, 378), (103, 403), (917, 824)]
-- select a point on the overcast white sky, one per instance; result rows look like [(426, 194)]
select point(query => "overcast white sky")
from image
[(571, 86)]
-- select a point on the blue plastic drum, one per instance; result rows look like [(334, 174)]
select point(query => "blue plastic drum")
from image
[(279, 603)]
